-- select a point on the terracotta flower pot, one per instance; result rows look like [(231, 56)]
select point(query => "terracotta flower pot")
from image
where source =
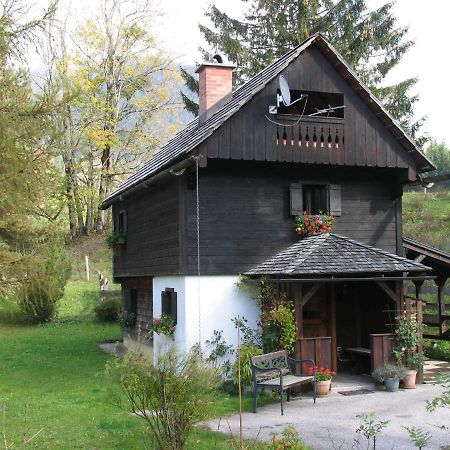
[(409, 382), (323, 388)]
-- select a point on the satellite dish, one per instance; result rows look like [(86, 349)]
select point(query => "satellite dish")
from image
[(285, 91), (285, 96)]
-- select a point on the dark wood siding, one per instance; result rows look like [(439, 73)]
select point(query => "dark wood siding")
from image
[(248, 135), (153, 238), (245, 214)]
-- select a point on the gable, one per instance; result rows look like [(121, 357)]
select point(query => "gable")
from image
[(238, 129), (249, 135)]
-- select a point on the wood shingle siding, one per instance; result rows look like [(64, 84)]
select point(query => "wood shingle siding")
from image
[(246, 216), (153, 238)]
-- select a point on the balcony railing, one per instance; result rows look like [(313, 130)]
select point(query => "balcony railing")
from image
[(310, 133)]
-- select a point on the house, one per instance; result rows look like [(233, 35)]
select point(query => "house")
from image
[(220, 198)]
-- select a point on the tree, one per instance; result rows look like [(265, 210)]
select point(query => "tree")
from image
[(123, 110), (370, 41), (439, 154), (30, 203)]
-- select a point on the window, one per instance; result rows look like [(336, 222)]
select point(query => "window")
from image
[(315, 198), (130, 301), (169, 303), (121, 223), (316, 101)]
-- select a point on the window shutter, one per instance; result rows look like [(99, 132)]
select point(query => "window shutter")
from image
[(173, 305), (334, 195), (296, 199)]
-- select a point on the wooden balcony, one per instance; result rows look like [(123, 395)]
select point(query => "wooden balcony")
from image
[(311, 133)]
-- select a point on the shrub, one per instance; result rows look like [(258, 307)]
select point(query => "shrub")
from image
[(245, 351), (108, 309), (171, 395), (44, 282), (389, 371)]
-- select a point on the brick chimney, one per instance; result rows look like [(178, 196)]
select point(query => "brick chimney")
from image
[(215, 83)]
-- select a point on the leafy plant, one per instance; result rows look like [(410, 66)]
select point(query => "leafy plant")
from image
[(219, 349), (114, 240), (407, 335), (248, 334), (171, 396), (289, 438), (322, 373), (108, 309), (164, 325), (369, 428), (128, 319), (419, 437), (444, 399), (313, 224), (389, 371), (245, 351)]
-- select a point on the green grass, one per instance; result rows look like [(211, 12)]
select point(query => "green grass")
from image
[(426, 217), (56, 373)]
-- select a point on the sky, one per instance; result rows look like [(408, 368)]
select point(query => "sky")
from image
[(428, 60)]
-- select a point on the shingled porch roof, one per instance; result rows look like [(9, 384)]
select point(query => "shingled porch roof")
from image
[(333, 254)]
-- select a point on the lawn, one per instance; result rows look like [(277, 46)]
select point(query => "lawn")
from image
[(55, 372)]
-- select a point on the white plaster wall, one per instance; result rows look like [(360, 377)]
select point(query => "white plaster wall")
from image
[(211, 301)]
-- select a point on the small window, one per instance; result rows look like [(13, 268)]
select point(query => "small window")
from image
[(169, 303), (315, 199), (133, 301), (121, 224)]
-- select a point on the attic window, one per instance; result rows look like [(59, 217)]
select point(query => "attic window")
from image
[(315, 101)]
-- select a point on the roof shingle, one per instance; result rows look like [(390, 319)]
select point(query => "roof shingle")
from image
[(333, 254)]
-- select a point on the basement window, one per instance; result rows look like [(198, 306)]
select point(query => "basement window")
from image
[(315, 101)]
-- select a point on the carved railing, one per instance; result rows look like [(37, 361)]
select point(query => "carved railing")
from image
[(310, 133)]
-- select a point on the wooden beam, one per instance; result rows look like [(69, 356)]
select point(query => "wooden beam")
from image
[(419, 258), (307, 297), (333, 327), (298, 310), (392, 294)]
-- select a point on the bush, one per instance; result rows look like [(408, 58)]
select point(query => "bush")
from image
[(44, 282), (389, 371), (245, 351), (108, 309), (171, 395)]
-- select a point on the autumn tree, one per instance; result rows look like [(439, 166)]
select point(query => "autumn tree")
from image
[(370, 40), (124, 107)]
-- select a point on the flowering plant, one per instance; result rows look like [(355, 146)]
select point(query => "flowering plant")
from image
[(322, 373), (164, 325), (312, 224)]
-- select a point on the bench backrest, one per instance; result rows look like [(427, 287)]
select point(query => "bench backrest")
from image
[(276, 360)]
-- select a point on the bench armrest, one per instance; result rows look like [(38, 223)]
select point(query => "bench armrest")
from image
[(303, 361)]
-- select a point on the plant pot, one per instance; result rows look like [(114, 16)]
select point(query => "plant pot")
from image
[(409, 382), (391, 384), (323, 388)]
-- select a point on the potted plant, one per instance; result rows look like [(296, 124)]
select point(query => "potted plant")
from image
[(407, 335), (390, 375), (164, 325), (323, 381), (313, 224), (115, 240)]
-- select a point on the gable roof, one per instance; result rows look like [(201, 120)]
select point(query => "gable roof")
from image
[(195, 133), (330, 253)]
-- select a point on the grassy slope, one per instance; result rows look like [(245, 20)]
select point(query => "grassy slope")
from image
[(426, 217)]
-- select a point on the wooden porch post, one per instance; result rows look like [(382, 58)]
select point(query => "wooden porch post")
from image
[(440, 283), (333, 328), (298, 294), (419, 317)]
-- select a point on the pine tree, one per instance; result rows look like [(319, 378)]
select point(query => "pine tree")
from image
[(371, 41)]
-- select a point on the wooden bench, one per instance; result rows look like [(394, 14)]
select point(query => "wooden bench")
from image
[(273, 371)]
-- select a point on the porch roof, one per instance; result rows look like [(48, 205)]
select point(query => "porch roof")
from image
[(333, 254)]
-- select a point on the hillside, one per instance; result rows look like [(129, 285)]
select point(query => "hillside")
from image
[(426, 217)]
